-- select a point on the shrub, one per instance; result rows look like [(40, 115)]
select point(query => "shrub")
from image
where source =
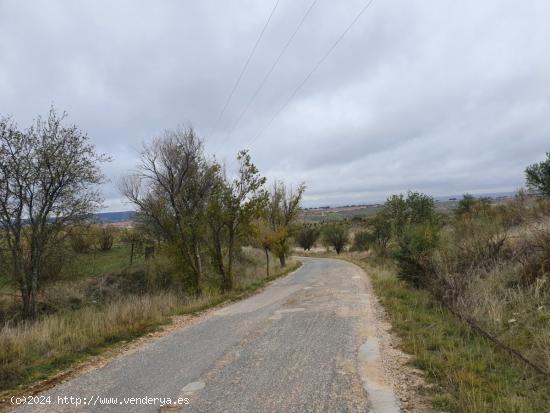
[(541, 208), (513, 212), (380, 232), (164, 274), (465, 205), (413, 256), (362, 240), (477, 240), (534, 255), (81, 239), (105, 237), (376, 236), (53, 261)]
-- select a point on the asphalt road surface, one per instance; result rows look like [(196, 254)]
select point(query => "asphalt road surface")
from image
[(300, 345)]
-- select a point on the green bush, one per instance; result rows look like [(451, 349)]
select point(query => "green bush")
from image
[(362, 241), (164, 274), (413, 257), (81, 239), (105, 237)]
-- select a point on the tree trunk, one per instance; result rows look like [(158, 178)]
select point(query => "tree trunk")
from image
[(282, 259), (33, 293), (266, 262), (190, 254), (32, 280), (25, 299), (19, 275), (229, 273), (198, 268), (221, 267), (219, 256)]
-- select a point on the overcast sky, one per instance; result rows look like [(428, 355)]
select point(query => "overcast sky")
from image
[(441, 96)]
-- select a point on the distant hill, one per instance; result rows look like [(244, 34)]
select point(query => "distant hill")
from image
[(109, 217)]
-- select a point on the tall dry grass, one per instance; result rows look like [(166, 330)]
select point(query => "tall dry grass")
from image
[(493, 266), (31, 351), (468, 373)]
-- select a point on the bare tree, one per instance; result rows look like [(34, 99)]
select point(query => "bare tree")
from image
[(48, 178), (171, 192)]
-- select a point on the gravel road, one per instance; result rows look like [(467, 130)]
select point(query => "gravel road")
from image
[(303, 344)]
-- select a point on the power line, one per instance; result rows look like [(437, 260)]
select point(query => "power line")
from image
[(272, 68), (319, 63), (247, 63)]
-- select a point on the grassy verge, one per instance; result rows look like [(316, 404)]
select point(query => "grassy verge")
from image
[(40, 350), (469, 373)]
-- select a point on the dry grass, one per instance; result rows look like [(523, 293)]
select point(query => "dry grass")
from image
[(469, 374), (30, 352)]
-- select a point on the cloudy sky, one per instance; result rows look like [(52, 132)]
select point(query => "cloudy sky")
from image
[(441, 96)]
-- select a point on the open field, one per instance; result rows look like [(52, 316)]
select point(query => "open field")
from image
[(329, 214)]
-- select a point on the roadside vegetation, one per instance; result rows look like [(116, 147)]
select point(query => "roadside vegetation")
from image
[(70, 287), (95, 311), (467, 291), (467, 372)]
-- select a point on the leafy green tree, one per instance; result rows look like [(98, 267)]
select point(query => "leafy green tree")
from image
[(233, 207), (420, 208), (538, 177), (395, 213), (336, 235), (400, 212)]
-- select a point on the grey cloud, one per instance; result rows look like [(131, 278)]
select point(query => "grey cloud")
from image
[(439, 96)]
